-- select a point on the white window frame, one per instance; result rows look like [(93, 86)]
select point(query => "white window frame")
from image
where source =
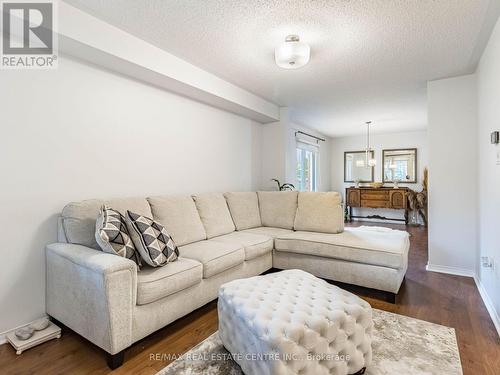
[(314, 181)]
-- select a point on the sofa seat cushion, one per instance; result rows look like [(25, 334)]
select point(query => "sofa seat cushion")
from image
[(214, 214), (244, 207), (388, 248), (278, 208), (268, 231), (179, 216), (156, 283), (215, 256), (319, 212), (254, 244)]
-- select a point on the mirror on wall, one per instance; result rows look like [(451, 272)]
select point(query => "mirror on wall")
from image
[(355, 168), (399, 165)]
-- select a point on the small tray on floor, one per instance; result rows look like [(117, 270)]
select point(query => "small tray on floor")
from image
[(39, 337)]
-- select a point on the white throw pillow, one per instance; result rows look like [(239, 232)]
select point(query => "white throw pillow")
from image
[(319, 212)]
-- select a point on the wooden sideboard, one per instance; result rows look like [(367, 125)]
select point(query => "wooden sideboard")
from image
[(384, 197)]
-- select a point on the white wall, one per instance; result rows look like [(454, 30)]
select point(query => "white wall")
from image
[(274, 151), (80, 132), (488, 76), (379, 142), (452, 115)]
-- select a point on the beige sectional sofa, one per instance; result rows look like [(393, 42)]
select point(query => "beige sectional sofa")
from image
[(221, 237)]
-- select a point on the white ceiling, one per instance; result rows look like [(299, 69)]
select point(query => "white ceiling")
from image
[(370, 60)]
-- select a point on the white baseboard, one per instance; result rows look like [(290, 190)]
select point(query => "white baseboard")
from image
[(450, 270), (484, 295), (3, 335), (489, 304)]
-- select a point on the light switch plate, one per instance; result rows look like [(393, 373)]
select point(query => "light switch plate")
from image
[(495, 137)]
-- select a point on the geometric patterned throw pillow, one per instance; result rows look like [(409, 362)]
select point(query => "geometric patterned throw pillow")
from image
[(152, 240), (112, 235)]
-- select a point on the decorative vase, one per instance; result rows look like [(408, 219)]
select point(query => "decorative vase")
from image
[(396, 184)]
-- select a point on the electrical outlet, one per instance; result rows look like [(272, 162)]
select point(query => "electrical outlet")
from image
[(487, 262)]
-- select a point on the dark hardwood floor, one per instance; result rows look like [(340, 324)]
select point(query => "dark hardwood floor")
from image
[(453, 301)]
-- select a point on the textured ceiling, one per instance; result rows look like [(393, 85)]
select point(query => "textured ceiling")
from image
[(370, 59)]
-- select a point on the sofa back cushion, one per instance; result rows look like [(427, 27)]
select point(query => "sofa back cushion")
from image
[(79, 218), (278, 208), (244, 208), (214, 214), (319, 212), (179, 216)]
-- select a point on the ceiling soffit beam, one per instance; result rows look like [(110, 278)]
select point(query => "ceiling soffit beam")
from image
[(90, 39)]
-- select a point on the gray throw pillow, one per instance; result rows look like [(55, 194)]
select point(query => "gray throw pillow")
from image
[(152, 240), (112, 235)]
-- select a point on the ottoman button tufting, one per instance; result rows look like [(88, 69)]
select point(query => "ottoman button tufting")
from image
[(311, 322)]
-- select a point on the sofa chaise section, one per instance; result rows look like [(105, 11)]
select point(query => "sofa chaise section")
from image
[(386, 249), (368, 257)]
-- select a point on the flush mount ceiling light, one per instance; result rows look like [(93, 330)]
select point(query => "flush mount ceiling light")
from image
[(292, 54)]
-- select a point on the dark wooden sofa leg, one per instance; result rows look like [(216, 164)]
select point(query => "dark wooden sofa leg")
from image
[(361, 372), (391, 297), (115, 360), (56, 322)]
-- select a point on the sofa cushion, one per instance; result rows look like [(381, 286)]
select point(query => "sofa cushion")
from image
[(156, 283), (79, 218), (380, 248), (268, 231), (151, 240), (178, 214), (216, 257), (112, 235), (214, 214), (244, 207), (254, 244), (319, 212), (278, 208)]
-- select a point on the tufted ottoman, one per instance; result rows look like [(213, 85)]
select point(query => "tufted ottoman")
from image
[(292, 322)]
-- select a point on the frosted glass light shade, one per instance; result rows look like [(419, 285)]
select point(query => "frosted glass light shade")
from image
[(292, 54)]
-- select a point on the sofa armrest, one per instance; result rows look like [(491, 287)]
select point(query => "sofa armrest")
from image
[(93, 293)]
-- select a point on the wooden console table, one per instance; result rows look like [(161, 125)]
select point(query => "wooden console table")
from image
[(384, 197)]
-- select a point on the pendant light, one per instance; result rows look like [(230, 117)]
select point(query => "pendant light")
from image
[(369, 161)]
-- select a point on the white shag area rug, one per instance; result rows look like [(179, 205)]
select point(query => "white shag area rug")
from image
[(401, 345)]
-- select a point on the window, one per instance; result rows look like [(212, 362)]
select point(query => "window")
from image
[(307, 167)]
